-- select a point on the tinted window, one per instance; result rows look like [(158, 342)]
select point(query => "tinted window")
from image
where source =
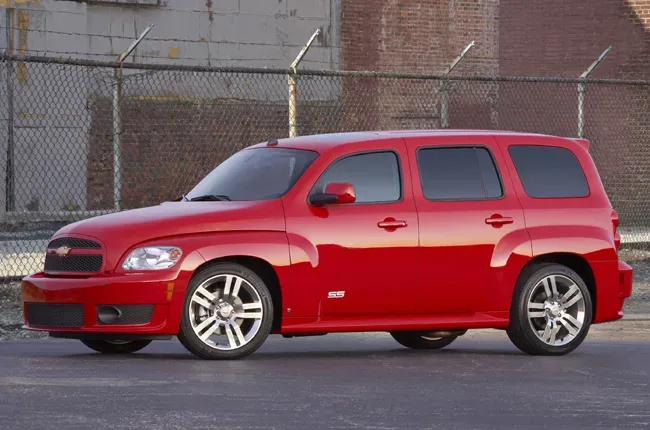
[(458, 174), (547, 171), (256, 174), (375, 176), (491, 179)]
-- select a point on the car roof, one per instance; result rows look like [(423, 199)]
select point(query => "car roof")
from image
[(323, 142)]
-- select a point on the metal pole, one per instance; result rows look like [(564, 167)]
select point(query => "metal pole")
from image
[(581, 109), (117, 120), (444, 108), (581, 92), (117, 130), (293, 102), (293, 88), (9, 173)]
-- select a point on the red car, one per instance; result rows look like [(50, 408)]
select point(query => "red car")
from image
[(423, 234)]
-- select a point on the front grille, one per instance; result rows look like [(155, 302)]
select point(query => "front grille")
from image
[(54, 315), (74, 242), (130, 314), (73, 263)]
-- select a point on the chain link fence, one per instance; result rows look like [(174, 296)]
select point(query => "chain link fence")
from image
[(65, 125)]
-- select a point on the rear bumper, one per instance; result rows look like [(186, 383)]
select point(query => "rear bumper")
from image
[(625, 280), (143, 304), (614, 287)]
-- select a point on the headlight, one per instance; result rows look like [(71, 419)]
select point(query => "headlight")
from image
[(152, 258)]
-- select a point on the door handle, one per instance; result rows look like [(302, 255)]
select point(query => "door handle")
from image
[(498, 220), (391, 223)]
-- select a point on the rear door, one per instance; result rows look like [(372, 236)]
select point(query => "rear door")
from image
[(470, 222)]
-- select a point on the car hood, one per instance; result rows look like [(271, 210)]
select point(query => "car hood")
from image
[(120, 231)]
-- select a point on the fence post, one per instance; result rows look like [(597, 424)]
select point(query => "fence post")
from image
[(293, 101), (293, 90), (9, 172), (117, 130), (581, 93), (444, 108), (117, 119)]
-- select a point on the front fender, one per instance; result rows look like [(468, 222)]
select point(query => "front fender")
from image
[(270, 246), (198, 250)]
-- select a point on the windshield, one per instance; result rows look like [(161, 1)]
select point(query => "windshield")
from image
[(255, 174)]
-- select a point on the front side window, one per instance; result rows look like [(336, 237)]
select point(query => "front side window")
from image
[(255, 174), (549, 172), (463, 173), (375, 176)]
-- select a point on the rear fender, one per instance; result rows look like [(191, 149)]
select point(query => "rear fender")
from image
[(596, 246), (593, 243)]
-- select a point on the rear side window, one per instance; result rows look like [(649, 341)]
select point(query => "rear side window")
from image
[(549, 172), (375, 176), (464, 173)]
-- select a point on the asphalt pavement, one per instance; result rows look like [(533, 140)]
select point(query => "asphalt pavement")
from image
[(337, 381)]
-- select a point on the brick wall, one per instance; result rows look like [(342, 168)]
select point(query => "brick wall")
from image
[(169, 145), (415, 36), (562, 38)]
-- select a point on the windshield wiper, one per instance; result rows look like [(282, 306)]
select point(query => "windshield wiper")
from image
[(210, 198)]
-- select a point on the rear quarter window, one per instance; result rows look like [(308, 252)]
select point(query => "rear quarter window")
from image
[(549, 172)]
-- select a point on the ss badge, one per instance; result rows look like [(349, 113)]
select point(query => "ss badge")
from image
[(335, 294)]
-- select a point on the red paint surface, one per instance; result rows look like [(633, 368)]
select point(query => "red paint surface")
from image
[(411, 264)]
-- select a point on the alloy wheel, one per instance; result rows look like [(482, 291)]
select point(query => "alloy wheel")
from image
[(556, 310), (226, 312)]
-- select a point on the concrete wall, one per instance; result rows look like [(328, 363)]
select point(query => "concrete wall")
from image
[(251, 33), (52, 118)]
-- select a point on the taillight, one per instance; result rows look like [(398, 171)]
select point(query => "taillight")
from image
[(615, 224)]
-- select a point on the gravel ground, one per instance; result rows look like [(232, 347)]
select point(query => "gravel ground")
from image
[(636, 323)]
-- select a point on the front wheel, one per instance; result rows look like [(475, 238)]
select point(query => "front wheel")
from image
[(227, 314), (421, 340), (551, 311), (116, 347)]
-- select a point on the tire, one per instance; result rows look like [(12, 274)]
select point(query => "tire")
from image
[(225, 303), (419, 340), (550, 325), (108, 347)]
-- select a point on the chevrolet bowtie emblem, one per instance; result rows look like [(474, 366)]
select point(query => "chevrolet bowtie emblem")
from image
[(63, 251)]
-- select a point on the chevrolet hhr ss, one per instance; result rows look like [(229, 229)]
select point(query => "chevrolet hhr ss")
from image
[(421, 234)]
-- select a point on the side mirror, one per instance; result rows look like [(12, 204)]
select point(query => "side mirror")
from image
[(335, 194)]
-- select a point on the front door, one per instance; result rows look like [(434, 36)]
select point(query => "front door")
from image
[(365, 259), (472, 233)]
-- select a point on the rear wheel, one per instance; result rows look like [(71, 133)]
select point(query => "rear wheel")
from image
[(227, 314), (421, 340), (116, 346), (551, 311)]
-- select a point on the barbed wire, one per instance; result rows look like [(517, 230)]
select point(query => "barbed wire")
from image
[(321, 72), (168, 39), (199, 60)]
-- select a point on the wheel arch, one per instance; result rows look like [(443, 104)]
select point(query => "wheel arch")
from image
[(575, 262), (264, 270)]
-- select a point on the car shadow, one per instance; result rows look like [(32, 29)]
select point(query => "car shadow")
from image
[(310, 354)]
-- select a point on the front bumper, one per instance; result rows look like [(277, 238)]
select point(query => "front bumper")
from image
[(147, 304)]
